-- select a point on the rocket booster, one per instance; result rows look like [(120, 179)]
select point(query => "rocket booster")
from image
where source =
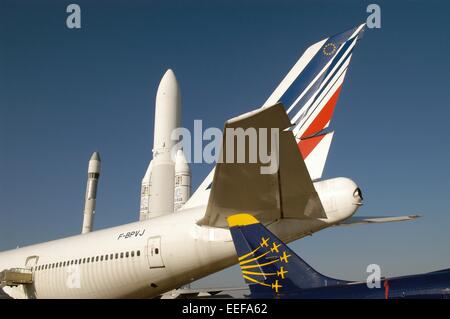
[(91, 192), (167, 119), (146, 187), (182, 180)]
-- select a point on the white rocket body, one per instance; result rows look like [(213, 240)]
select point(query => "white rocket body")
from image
[(91, 192), (182, 180), (162, 173)]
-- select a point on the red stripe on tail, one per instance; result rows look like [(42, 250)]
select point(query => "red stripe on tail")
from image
[(306, 146), (324, 115)]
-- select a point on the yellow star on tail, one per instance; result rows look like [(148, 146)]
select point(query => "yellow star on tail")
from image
[(276, 286), (281, 273), (264, 242), (284, 257), (275, 247)]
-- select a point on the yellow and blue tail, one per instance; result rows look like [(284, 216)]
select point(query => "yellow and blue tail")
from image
[(268, 265)]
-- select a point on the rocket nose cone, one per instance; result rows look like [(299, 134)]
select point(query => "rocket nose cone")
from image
[(169, 72), (168, 96), (169, 79), (95, 156)]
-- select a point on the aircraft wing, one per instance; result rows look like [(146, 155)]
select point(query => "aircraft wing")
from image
[(236, 187), (358, 220)]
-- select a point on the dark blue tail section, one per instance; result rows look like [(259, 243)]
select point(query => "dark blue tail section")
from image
[(267, 264)]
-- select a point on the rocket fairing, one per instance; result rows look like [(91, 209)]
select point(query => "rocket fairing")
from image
[(182, 180), (91, 192)]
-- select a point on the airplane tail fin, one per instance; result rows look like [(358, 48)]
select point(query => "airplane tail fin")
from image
[(310, 92), (267, 264)]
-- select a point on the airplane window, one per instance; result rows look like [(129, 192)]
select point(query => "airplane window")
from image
[(111, 256), (84, 260), (138, 253), (79, 261), (117, 255), (106, 257), (121, 255), (101, 258), (156, 251), (71, 262), (96, 258), (126, 254), (132, 253), (76, 261)]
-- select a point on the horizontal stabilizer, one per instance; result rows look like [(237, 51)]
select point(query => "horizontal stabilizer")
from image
[(286, 193), (376, 219)]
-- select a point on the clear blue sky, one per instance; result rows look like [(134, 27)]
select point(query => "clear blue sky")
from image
[(66, 93)]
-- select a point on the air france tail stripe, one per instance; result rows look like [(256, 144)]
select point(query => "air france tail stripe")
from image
[(322, 80), (320, 103), (324, 115), (306, 146), (325, 83), (312, 87), (288, 97)]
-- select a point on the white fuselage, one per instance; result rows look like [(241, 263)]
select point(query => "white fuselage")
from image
[(154, 256)]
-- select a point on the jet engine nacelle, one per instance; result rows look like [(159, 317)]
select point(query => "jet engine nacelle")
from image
[(340, 197)]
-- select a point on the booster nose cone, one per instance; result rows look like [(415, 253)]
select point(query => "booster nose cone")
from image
[(95, 157), (181, 164)]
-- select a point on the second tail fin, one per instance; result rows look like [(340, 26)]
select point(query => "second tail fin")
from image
[(267, 264)]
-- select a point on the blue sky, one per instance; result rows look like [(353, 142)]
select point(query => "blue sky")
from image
[(66, 93)]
